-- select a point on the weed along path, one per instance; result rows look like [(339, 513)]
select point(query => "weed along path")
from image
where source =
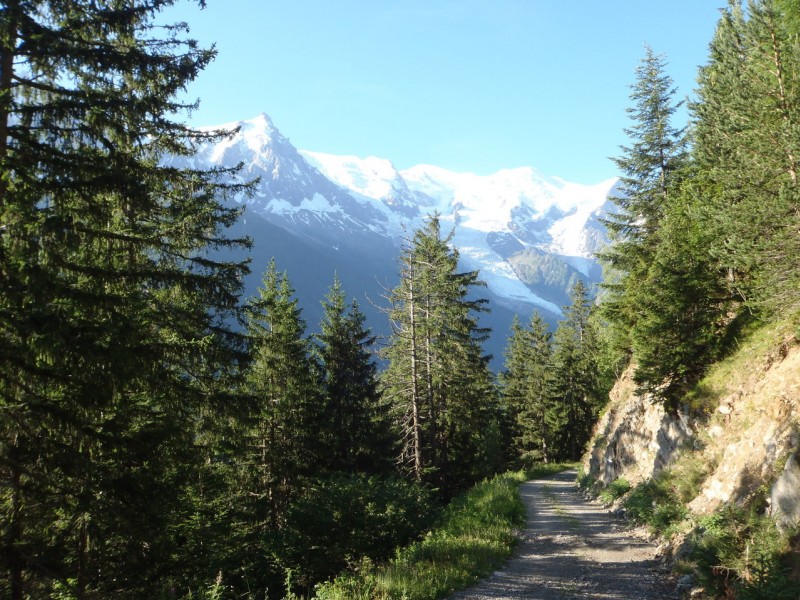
[(574, 549)]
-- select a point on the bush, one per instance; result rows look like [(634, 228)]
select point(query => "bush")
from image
[(741, 553), (474, 536), (656, 503), (617, 489), (342, 519)]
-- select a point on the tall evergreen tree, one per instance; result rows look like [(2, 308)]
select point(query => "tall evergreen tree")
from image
[(438, 376), (355, 433), (525, 387), (575, 384), (682, 317), (650, 168), (746, 125), (114, 335), (286, 417)]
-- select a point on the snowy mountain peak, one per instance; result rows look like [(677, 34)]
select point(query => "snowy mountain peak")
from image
[(372, 177), (506, 223), (258, 133)]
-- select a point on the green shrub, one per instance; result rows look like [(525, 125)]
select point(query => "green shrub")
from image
[(741, 553), (616, 489), (476, 533), (584, 480), (656, 503), (342, 519)]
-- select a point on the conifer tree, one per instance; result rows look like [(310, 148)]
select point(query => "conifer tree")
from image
[(402, 381), (438, 376), (114, 315), (576, 393), (680, 329), (746, 125), (526, 388), (355, 434), (286, 418), (650, 168)]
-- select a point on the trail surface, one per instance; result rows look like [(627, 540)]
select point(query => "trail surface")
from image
[(574, 549)]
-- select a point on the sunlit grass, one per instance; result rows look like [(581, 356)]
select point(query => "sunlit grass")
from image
[(477, 534), (750, 351)]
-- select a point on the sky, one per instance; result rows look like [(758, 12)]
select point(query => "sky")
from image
[(467, 85)]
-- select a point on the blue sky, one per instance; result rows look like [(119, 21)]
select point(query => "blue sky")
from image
[(468, 85)]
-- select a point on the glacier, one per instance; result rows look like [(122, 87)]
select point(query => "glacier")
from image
[(503, 222)]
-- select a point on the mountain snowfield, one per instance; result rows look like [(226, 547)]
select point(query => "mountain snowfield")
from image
[(518, 205), (498, 219)]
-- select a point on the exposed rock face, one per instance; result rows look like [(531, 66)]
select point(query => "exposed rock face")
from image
[(785, 495), (751, 426), (635, 438)]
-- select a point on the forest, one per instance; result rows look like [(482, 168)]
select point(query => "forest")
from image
[(160, 432), (705, 240)]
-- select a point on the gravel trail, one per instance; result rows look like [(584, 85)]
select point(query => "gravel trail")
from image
[(574, 549)]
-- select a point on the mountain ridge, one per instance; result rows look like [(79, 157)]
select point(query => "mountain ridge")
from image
[(356, 212)]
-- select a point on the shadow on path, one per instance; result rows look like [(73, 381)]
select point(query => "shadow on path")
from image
[(573, 549)]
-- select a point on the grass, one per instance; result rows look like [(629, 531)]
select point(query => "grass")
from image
[(655, 504), (750, 351), (616, 489), (476, 535), (738, 552)]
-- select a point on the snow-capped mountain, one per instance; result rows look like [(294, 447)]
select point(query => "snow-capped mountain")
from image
[(290, 192), (529, 235), (496, 217)]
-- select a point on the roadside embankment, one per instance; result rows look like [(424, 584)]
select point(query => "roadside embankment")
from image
[(725, 466)]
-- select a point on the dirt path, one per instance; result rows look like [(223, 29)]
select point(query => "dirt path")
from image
[(574, 549)]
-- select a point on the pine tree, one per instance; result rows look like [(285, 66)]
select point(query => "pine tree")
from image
[(355, 434), (402, 381), (654, 158), (746, 125), (650, 170), (576, 389), (114, 315), (526, 389), (682, 318), (438, 376), (287, 416)]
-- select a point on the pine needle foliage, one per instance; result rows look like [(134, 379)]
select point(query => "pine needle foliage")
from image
[(115, 298)]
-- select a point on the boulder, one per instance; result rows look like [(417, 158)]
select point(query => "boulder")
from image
[(785, 495)]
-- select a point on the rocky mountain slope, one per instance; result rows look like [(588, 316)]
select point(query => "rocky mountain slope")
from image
[(743, 427), (318, 214), (734, 443)]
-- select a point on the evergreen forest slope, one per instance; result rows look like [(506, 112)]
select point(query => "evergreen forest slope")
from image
[(700, 311)]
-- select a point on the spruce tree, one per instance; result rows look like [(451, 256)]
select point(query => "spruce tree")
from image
[(681, 325), (114, 315), (438, 377), (650, 167), (525, 386), (284, 382), (402, 382), (746, 125), (575, 385), (355, 433)]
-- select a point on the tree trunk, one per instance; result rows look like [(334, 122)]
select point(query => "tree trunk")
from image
[(433, 409), (8, 37), (777, 58), (415, 420), (83, 546), (15, 564)]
